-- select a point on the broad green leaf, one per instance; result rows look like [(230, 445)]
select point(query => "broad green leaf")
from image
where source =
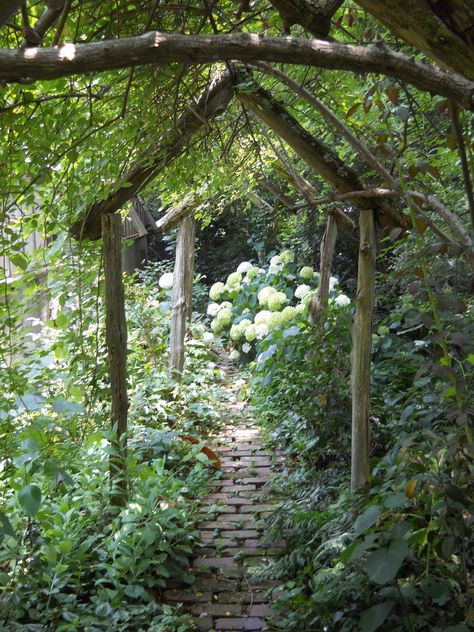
[(134, 591), (373, 618), (291, 331), (61, 405), (5, 525), (367, 519), (383, 565), (30, 499)]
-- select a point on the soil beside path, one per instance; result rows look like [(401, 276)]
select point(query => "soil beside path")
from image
[(226, 596)]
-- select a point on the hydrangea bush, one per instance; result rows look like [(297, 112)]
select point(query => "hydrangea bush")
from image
[(256, 307)]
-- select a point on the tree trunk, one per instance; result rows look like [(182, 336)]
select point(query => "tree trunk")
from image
[(182, 293), (361, 352), (443, 29), (8, 10), (320, 301), (116, 338)]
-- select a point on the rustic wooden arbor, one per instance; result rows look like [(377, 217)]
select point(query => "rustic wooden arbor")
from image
[(182, 294), (375, 206)]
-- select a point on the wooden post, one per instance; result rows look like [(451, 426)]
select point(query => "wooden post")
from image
[(361, 352), (181, 299), (328, 243), (116, 338)]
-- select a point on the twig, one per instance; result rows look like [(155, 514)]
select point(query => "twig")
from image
[(62, 22), (463, 157)]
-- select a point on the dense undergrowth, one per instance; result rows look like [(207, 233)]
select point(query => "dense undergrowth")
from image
[(68, 559), (400, 556)]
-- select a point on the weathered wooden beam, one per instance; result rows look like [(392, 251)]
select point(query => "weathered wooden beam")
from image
[(137, 222), (213, 101), (260, 202), (319, 302), (181, 298), (315, 17), (8, 8), (276, 191), (116, 339), (175, 215), (161, 48), (304, 186), (361, 352), (322, 158)]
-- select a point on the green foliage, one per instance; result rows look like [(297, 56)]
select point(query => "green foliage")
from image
[(67, 557), (398, 559)]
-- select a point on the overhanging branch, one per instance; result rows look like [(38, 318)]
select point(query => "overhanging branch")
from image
[(162, 48), (212, 102)]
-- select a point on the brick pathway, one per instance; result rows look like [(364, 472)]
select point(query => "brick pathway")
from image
[(226, 596)]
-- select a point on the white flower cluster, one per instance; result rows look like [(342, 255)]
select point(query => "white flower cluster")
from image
[(166, 281), (245, 327)]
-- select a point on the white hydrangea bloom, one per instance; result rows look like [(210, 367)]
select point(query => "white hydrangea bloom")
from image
[(275, 261), (301, 290), (300, 308), (225, 305), (252, 273), (342, 300), (306, 273), (208, 336), (236, 332), (250, 333), (216, 327), (166, 281), (234, 355), (224, 317), (246, 347), (265, 294), (244, 267), (216, 291), (288, 313), (262, 317), (261, 330), (213, 309), (332, 283), (274, 320), (287, 256), (234, 279), (277, 300)]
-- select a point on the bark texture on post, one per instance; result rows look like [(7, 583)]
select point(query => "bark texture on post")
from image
[(182, 293), (116, 338), (361, 352), (319, 301)]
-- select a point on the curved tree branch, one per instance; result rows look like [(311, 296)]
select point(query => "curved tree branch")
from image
[(163, 48)]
